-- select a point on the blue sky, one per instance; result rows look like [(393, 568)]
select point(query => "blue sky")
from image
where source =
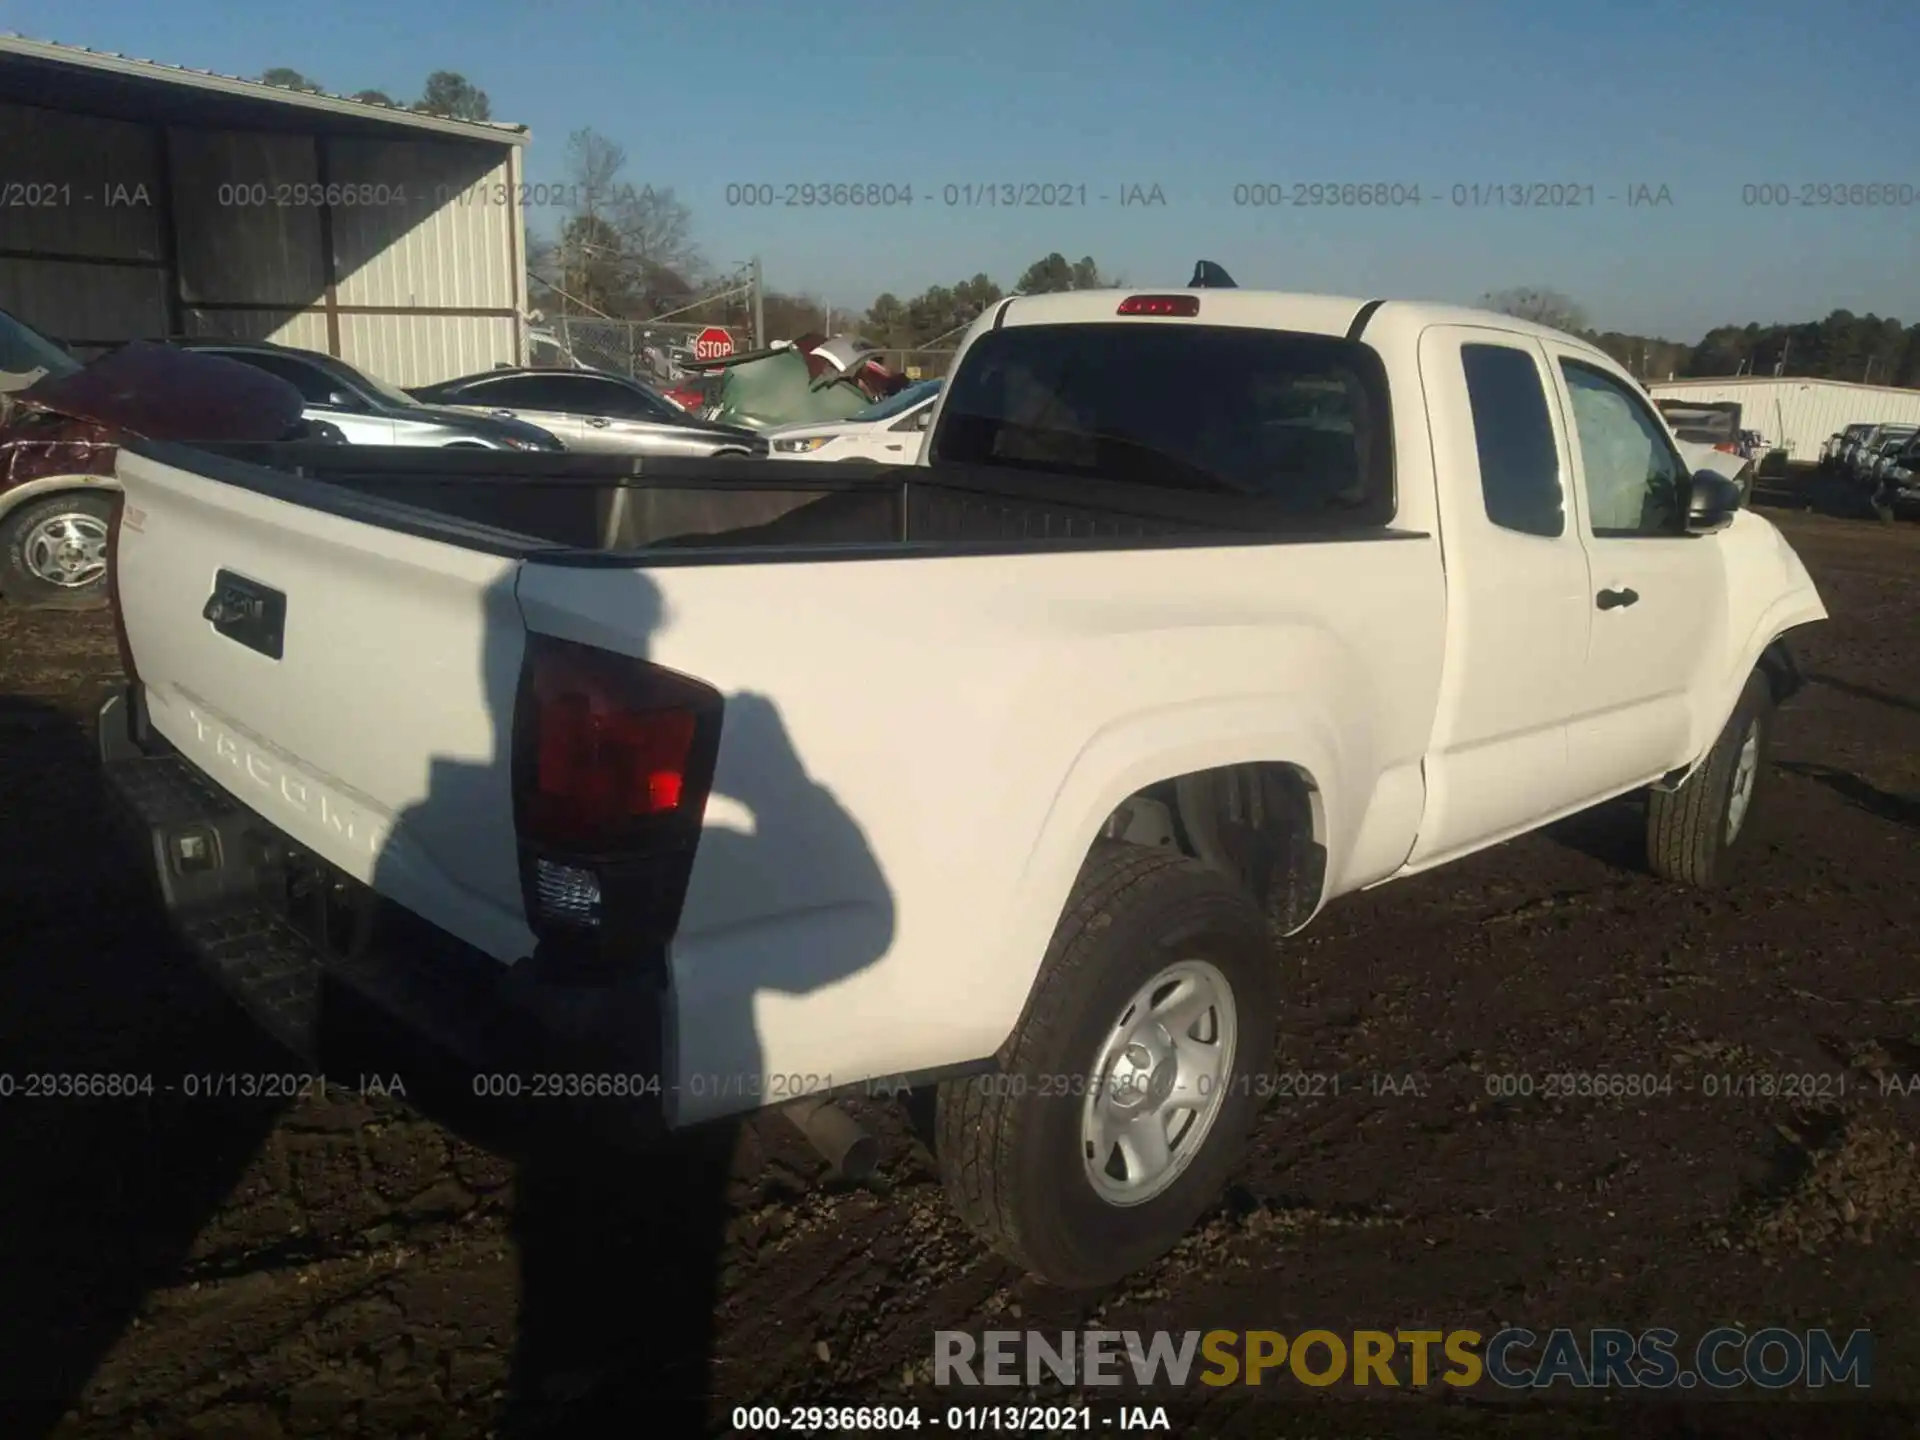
[(1198, 98)]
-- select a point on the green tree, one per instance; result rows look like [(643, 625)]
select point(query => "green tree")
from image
[(888, 322), (288, 80), (1056, 273), (451, 94)]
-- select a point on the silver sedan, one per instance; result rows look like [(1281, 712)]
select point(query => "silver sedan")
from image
[(593, 410)]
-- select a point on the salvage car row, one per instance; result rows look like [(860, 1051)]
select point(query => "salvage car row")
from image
[(814, 399), (1883, 460)]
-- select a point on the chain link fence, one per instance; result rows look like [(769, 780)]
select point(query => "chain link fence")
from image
[(654, 350), (648, 350)]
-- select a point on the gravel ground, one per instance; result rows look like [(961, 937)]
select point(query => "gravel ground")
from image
[(349, 1265)]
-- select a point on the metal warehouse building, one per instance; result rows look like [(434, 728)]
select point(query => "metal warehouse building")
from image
[(141, 200), (1799, 415)]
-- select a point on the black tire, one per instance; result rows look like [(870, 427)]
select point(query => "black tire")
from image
[(1687, 839), (1009, 1144), (25, 528)]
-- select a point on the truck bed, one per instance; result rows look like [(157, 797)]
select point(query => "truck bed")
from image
[(586, 507), (340, 641)]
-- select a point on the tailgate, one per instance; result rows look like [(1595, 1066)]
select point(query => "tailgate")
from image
[(378, 736)]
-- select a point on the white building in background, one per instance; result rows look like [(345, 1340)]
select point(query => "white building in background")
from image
[(1798, 415), (148, 200)]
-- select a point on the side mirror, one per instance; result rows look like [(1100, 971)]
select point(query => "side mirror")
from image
[(1713, 502), (343, 400)]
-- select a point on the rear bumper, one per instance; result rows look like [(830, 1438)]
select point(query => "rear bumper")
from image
[(298, 944)]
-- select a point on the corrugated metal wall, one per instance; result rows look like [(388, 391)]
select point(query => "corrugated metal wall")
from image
[(1800, 414), (420, 349), (416, 224), (303, 329), (81, 186), (443, 246)]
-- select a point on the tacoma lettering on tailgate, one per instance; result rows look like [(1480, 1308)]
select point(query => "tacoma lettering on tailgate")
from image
[(288, 790)]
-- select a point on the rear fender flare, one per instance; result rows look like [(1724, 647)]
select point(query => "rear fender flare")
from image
[(1127, 757)]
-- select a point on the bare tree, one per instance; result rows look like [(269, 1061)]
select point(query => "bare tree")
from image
[(626, 247), (656, 233), (593, 164), (1538, 304)]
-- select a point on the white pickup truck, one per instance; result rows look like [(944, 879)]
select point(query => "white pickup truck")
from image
[(714, 787)]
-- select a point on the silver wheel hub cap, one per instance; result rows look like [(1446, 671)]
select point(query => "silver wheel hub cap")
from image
[(1746, 769), (1159, 1081), (68, 550)]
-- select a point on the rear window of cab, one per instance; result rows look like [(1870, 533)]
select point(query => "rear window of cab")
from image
[(1301, 422)]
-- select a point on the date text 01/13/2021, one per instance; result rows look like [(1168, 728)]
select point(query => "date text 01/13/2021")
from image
[(974, 1419), (198, 1085)]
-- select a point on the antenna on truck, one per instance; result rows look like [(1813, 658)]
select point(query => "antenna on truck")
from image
[(1209, 276)]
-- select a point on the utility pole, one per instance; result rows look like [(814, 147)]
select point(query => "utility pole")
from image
[(1867, 379), (759, 310)]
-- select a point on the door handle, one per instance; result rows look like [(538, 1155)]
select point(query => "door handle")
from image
[(1615, 599), (502, 414), (598, 422)]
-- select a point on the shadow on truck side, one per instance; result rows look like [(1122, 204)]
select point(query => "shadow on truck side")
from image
[(619, 1252), (618, 1246)]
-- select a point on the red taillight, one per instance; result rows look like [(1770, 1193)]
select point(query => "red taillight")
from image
[(1185, 306), (613, 759), (1728, 449), (610, 747), (600, 766), (113, 588)]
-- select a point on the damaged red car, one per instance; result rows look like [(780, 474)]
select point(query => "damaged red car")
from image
[(61, 423)]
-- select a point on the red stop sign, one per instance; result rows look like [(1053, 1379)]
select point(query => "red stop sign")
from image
[(712, 343)]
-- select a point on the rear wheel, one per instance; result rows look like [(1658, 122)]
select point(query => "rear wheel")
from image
[(1697, 833), (1129, 1086), (53, 551)]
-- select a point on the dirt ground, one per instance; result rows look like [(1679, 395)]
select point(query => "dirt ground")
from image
[(177, 1266)]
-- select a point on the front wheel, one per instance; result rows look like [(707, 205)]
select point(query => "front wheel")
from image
[(1697, 833), (53, 552), (1129, 1086)]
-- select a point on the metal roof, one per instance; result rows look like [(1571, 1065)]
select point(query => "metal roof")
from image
[(1723, 381), (251, 92)]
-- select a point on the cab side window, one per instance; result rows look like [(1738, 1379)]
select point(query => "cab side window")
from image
[(1513, 433), (1636, 483)]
